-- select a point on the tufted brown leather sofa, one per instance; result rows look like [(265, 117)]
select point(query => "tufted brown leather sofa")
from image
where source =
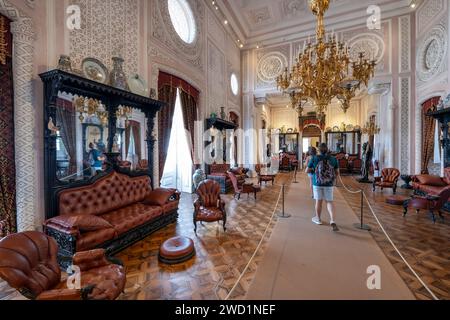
[(209, 207), (388, 180), (28, 262), (113, 213), (431, 185)]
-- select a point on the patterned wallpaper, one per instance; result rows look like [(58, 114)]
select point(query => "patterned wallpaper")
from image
[(109, 28)]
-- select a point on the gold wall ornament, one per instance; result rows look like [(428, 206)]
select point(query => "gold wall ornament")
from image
[(3, 40), (324, 69)]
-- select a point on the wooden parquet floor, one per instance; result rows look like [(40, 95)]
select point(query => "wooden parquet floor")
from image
[(426, 246), (221, 257)]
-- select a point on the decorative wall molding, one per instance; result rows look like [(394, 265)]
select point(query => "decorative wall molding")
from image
[(432, 53), (164, 32), (24, 36), (271, 64), (405, 44), (107, 31), (428, 12), (405, 100), (369, 43)]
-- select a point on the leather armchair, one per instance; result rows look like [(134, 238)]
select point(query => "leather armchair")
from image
[(209, 207), (28, 262), (243, 187), (388, 180), (432, 203)]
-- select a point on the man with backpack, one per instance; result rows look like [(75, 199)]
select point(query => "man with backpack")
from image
[(325, 170)]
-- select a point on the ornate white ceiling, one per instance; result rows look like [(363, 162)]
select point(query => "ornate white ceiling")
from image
[(271, 21)]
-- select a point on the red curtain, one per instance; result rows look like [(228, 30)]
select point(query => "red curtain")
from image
[(189, 107), (428, 131), (133, 128), (8, 219), (167, 88)]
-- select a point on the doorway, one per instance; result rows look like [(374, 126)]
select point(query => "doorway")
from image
[(178, 168)]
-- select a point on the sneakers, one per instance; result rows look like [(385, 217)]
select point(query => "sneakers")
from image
[(317, 221), (335, 227)]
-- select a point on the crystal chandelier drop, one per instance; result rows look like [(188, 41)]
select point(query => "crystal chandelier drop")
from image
[(324, 71)]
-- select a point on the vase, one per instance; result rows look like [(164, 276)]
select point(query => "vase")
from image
[(222, 113), (118, 79), (65, 63), (198, 177)]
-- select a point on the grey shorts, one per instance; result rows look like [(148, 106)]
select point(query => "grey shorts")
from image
[(323, 193)]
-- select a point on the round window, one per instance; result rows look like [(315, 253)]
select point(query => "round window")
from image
[(183, 20), (234, 84)]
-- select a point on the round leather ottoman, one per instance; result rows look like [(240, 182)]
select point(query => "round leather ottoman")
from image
[(176, 250), (397, 200)]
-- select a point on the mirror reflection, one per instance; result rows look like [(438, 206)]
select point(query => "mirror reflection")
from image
[(81, 138), (130, 141)]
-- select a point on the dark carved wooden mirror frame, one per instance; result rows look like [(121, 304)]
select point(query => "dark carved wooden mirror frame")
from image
[(56, 81)]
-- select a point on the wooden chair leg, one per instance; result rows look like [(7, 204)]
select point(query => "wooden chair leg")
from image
[(433, 216), (441, 215)]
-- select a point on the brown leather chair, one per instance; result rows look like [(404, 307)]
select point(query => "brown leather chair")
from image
[(243, 187), (209, 207), (28, 262), (388, 180), (262, 178), (285, 163), (432, 203)]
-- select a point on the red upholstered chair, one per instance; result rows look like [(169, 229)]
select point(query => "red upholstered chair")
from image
[(243, 187), (28, 262), (209, 207), (432, 203), (388, 180), (285, 163), (263, 178)]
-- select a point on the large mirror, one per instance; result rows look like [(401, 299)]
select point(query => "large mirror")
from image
[(130, 141), (344, 142), (83, 134), (81, 138)]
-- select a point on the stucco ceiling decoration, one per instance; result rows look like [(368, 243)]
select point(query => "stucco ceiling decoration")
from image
[(273, 20), (271, 65), (432, 53)]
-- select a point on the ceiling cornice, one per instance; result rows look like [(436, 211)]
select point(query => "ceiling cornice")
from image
[(338, 19)]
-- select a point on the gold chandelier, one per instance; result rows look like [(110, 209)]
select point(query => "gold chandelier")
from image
[(324, 71), (371, 129)]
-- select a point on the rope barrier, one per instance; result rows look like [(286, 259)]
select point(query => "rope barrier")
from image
[(258, 247), (389, 238)]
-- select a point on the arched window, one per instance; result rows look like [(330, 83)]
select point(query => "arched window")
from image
[(183, 20), (234, 82)]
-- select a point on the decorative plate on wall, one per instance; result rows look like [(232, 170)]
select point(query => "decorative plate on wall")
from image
[(357, 128), (336, 129), (94, 70), (138, 85), (350, 127)]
